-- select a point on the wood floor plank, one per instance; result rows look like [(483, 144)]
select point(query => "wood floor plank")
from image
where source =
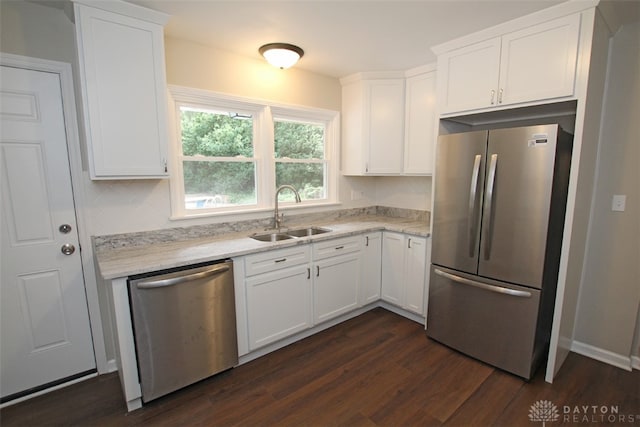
[(486, 404), (375, 370)]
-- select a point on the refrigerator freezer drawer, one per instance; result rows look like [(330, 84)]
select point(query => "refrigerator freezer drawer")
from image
[(492, 321)]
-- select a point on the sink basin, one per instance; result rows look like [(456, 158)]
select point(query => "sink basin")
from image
[(310, 231), (271, 237), (275, 236)]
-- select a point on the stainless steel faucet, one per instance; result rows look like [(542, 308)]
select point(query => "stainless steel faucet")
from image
[(277, 216)]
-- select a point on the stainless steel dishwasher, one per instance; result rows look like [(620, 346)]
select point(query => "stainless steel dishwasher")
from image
[(184, 326)]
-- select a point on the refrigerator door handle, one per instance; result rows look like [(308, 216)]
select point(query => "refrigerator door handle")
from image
[(491, 288), (488, 205), (473, 220)]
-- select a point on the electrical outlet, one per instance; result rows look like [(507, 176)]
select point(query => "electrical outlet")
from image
[(619, 202)]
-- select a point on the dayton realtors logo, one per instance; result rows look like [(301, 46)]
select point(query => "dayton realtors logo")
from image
[(546, 411)]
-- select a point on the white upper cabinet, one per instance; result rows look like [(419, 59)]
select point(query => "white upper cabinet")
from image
[(531, 65), (539, 62), (469, 77), (123, 85), (372, 125), (420, 123)]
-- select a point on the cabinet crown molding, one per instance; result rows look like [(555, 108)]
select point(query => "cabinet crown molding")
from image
[(420, 70), (544, 15), (127, 9), (371, 75)]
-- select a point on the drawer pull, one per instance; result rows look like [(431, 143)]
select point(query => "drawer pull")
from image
[(339, 247), (280, 260)]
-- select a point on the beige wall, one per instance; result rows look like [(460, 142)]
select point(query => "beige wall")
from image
[(610, 292), (32, 30), (198, 66)]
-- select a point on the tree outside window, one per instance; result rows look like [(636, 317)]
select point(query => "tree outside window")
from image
[(299, 150), (218, 159)]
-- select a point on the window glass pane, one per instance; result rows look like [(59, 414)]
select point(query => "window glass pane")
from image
[(216, 134), (219, 184), (307, 178), (296, 140)]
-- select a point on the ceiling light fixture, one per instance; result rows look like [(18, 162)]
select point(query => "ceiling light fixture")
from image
[(281, 55)]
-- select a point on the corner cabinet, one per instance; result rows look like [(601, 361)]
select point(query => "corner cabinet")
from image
[(534, 64), (372, 124), (370, 279), (404, 259), (123, 86)]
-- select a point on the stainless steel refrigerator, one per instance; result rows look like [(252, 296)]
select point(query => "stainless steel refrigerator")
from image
[(499, 204)]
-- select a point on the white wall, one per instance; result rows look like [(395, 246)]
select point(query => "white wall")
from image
[(610, 290), (411, 192)]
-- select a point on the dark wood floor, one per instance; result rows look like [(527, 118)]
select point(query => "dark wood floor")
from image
[(378, 369)]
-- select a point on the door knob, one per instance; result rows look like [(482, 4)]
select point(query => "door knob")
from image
[(65, 228), (68, 249)]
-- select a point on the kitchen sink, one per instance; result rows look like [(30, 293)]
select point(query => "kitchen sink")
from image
[(309, 231), (271, 237), (275, 236)]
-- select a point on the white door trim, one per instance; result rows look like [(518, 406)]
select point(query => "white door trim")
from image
[(64, 70)]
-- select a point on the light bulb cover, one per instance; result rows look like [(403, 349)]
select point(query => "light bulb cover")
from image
[(281, 55)]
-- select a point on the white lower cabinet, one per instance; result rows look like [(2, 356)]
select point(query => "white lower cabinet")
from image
[(278, 305), (370, 276), (336, 279), (279, 295), (404, 260), (282, 292)]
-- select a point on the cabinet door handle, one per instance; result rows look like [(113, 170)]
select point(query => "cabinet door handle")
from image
[(409, 244), (165, 165), (500, 96), (317, 271), (366, 241), (280, 260), (493, 95), (308, 273)]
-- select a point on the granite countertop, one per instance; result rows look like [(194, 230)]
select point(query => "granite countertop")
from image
[(130, 257)]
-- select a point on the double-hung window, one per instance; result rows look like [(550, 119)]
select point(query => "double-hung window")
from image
[(299, 155), (231, 154), (218, 161)]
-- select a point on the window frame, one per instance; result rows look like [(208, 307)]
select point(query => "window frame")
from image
[(263, 113)]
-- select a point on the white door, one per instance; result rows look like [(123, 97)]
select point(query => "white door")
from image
[(470, 77), (44, 320), (371, 274), (416, 256), (336, 284), (393, 267)]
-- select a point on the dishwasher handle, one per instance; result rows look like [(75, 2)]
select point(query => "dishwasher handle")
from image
[(151, 284)]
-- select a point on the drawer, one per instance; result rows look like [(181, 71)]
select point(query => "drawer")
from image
[(336, 247), (277, 259)]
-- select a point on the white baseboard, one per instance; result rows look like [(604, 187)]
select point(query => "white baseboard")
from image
[(635, 362), (606, 356), (112, 366)]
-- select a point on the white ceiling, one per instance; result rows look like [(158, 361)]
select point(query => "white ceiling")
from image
[(338, 37)]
